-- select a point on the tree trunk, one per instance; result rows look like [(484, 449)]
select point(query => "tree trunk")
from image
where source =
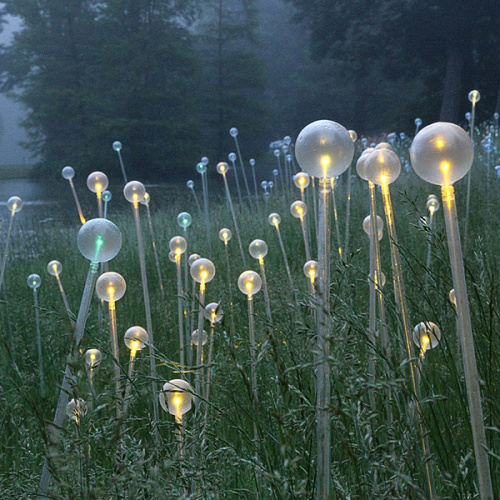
[(450, 106)]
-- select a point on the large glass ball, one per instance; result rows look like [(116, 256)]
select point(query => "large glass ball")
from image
[(258, 249), (68, 173), (34, 281), (367, 225), (360, 164), (442, 153), (213, 312), (136, 338), (97, 182), (384, 145), (99, 240), (134, 191), (110, 286), (249, 283), (193, 258), (178, 245), (15, 204), (324, 149), (176, 397), (274, 219), (195, 337), (382, 166), (204, 160), (298, 209), (184, 220), (202, 270), (54, 268), (301, 180)]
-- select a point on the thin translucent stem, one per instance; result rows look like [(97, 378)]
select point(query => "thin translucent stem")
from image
[(155, 252), (348, 211), (235, 222), (469, 175), (242, 166), (429, 238), (99, 205), (128, 387), (283, 252), (237, 182), (199, 347), (253, 368), (6, 251), (39, 344), (230, 290), (209, 370), (77, 202), (266, 292), (467, 344), (315, 203), (116, 359), (122, 166), (335, 215), (372, 312), (306, 239), (204, 183), (180, 310), (255, 182), (65, 300), (195, 196)]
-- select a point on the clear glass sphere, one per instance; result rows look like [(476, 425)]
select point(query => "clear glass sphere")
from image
[(134, 191), (418, 122), (496, 116), (252, 162), (275, 172), (371, 279), (302, 180), (360, 164), (202, 270), (367, 225), (107, 196), (195, 338), (178, 245), (474, 96), (92, 357), (15, 204), (204, 160), (99, 240), (193, 258), (222, 167), (284, 148), (249, 283), (287, 140), (231, 156), (353, 134), (97, 182), (382, 166), (171, 257), (136, 338), (190, 184), (201, 168), (384, 145), (402, 136), (426, 335), (289, 157), (298, 209), (225, 235), (54, 268), (270, 184), (147, 198), (468, 116), (76, 409), (258, 249), (324, 149), (276, 152), (442, 153), (274, 219), (264, 185), (34, 281), (184, 220), (68, 173), (311, 269), (233, 132), (432, 203), (110, 286), (117, 145), (213, 312), (176, 397)]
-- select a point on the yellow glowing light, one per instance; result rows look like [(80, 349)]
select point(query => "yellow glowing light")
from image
[(54, 267), (312, 274), (249, 286), (98, 187), (134, 345), (14, 206), (135, 197), (204, 275), (177, 400), (275, 221), (440, 144), (383, 178), (111, 290), (325, 161), (92, 357), (302, 181), (444, 166), (425, 340), (225, 235)]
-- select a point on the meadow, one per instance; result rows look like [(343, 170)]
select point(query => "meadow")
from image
[(248, 449)]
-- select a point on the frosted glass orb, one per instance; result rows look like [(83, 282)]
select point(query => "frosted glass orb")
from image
[(222, 167), (418, 122), (190, 184), (76, 409), (442, 153), (176, 397), (106, 196), (298, 209), (110, 286), (287, 140), (382, 166), (384, 145), (178, 245), (92, 357), (193, 258), (496, 116), (432, 203), (274, 219), (324, 149), (201, 168), (134, 191), (97, 182), (275, 172), (426, 335), (68, 173), (15, 204), (231, 156), (474, 96), (371, 279), (264, 185), (213, 312), (184, 220), (285, 149), (402, 136), (204, 160), (136, 338), (367, 225), (258, 249), (311, 269), (468, 116), (195, 338), (301, 180), (276, 152), (252, 162), (360, 164), (233, 132), (54, 268), (225, 235), (249, 283), (145, 201), (202, 270), (99, 240), (288, 157), (353, 135), (453, 297), (34, 281), (270, 184), (171, 257), (117, 146)]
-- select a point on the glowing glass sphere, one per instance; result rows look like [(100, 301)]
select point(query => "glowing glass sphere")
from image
[(382, 166), (418, 122), (106, 195), (311, 269), (178, 245), (353, 135), (288, 157), (384, 145), (146, 199), (34, 281), (202, 270), (15, 204), (225, 235), (204, 160), (298, 209), (222, 167), (274, 219), (184, 220), (193, 258), (402, 136), (249, 283), (195, 337), (275, 172), (442, 153), (134, 191), (432, 203), (110, 286), (270, 184), (264, 185), (92, 357), (213, 312), (76, 409), (97, 182), (252, 162), (233, 132), (287, 140), (324, 149), (231, 156), (474, 96), (176, 397), (367, 225), (301, 180), (54, 268), (276, 152), (285, 149), (426, 335), (68, 173), (171, 257), (258, 249), (117, 146), (99, 240), (190, 184), (201, 168), (371, 279), (136, 338)]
